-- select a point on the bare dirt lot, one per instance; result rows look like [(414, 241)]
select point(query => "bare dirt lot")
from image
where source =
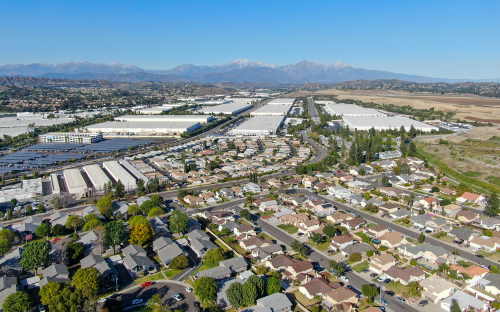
[(466, 107)]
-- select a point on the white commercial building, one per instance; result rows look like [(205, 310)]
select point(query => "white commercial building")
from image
[(165, 118), (54, 182), (70, 137), (342, 109), (272, 110), (365, 123), (282, 101), (25, 191), (231, 108), (97, 177), (120, 174), (143, 128), (133, 170), (258, 126), (75, 183)]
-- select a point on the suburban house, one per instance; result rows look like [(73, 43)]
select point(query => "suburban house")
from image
[(98, 262), (486, 243), (8, 286), (474, 272), (381, 263), (392, 239), (200, 242), (339, 296), (289, 266), (429, 203), (339, 217), (277, 302), (266, 252), (166, 249), (136, 260), (466, 302), (467, 216), (472, 198), (316, 287), (437, 288), (461, 234), (405, 275), (55, 272), (487, 288), (353, 224), (340, 242), (431, 223), (254, 242), (376, 231), (399, 214)]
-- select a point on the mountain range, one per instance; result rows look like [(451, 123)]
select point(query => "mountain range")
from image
[(239, 71)]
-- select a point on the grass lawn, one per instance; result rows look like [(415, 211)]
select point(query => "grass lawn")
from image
[(323, 246), (360, 266), (150, 277), (290, 229), (304, 300), (171, 273)]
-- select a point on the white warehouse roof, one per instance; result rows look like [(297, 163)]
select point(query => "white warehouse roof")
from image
[(260, 126), (120, 174), (269, 110), (227, 109), (96, 176), (144, 127), (75, 183), (165, 118), (342, 109), (286, 101), (385, 123)]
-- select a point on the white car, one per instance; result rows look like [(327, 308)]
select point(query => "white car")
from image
[(344, 279)]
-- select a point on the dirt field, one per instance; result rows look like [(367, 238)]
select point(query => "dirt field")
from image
[(474, 158), (467, 107)]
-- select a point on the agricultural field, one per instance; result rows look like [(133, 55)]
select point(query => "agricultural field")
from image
[(466, 107), (473, 159)]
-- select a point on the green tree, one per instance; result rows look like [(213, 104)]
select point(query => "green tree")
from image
[(300, 248), (414, 290), (155, 211), (6, 240), (115, 234), (260, 285), (235, 295), (87, 280), (133, 210), (75, 251), (338, 268), (178, 222), (369, 291), (17, 302), (244, 213), (105, 205), (155, 304), (58, 230), (213, 256), (49, 292), (180, 262), (273, 285), (73, 223), (35, 254), (205, 288), (91, 222), (493, 206), (43, 230), (249, 293), (119, 190), (317, 238), (141, 234), (135, 220), (140, 187), (421, 237)]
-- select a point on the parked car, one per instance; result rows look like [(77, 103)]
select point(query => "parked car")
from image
[(147, 284), (423, 303), (178, 297), (137, 301), (389, 293)]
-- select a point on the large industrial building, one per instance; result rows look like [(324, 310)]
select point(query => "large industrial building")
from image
[(272, 110), (282, 101), (258, 126), (365, 123), (75, 183), (70, 137), (97, 177), (133, 170), (143, 128), (118, 173), (25, 191), (231, 108), (165, 118), (342, 109)]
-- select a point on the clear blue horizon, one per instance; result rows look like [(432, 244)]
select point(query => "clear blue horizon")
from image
[(446, 39)]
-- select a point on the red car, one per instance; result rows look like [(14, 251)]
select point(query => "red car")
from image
[(146, 284)]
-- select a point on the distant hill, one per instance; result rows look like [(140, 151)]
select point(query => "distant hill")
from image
[(239, 71), (490, 89)]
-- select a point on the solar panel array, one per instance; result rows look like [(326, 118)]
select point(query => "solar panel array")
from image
[(43, 155)]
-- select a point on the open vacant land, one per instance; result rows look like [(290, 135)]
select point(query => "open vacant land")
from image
[(474, 159), (466, 107)]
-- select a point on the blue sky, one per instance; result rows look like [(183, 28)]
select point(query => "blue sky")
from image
[(451, 39)]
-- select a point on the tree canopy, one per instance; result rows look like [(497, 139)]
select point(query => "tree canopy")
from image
[(19, 301), (35, 254), (205, 288), (178, 222), (87, 281)]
